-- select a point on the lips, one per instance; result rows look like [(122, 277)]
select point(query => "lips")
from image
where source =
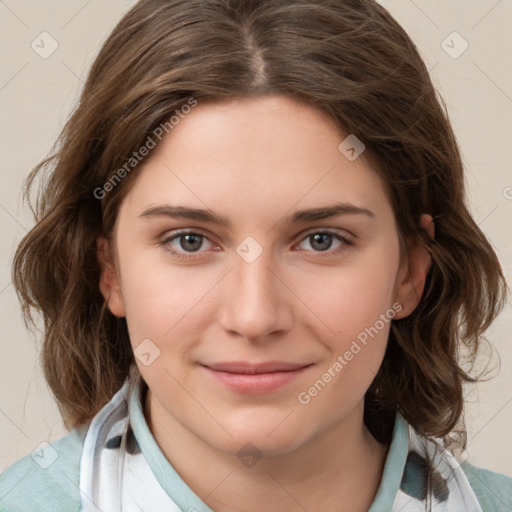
[(255, 378), (241, 367)]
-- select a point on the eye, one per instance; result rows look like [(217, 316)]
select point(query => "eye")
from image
[(184, 244), (322, 241)]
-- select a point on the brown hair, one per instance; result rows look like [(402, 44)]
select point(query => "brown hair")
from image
[(349, 59)]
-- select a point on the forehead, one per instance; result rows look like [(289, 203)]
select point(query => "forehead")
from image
[(259, 156)]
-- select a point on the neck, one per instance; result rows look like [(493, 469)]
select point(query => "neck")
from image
[(345, 462)]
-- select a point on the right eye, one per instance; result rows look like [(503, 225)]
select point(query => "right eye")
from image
[(181, 243)]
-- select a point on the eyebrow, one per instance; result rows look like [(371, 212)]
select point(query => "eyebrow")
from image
[(207, 216)]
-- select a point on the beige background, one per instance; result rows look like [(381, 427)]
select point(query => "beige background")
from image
[(36, 96)]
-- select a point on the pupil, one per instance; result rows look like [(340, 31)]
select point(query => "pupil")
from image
[(322, 238), (190, 242)]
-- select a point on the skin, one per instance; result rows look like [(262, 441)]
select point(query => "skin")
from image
[(255, 162)]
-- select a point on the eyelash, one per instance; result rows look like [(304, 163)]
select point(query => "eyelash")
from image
[(166, 243)]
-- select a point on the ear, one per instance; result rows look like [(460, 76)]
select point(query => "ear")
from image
[(109, 281), (413, 272)]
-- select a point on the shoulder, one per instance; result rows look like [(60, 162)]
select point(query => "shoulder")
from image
[(493, 490), (47, 479)]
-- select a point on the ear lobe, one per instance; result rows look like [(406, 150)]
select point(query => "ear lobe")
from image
[(413, 272), (109, 282)]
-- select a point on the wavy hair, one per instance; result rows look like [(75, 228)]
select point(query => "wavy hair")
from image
[(349, 59)]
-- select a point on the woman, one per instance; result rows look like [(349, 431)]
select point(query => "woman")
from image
[(256, 268)]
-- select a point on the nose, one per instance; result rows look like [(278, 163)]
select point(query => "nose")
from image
[(256, 303)]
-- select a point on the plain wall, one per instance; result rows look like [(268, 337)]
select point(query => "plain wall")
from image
[(36, 96)]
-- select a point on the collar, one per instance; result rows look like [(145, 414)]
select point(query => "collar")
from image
[(123, 468)]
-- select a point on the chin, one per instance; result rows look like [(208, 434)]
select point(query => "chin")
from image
[(264, 439)]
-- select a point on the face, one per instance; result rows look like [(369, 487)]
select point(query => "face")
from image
[(276, 281)]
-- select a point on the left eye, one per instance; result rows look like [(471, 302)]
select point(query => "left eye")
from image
[(190, 242), (321, 241)]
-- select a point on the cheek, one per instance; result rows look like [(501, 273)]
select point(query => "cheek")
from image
[(351, 297), (355, 305), (166, 319), (353, 357), (161, 300)]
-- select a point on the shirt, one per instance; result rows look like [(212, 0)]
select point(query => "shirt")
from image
[(115, 464)]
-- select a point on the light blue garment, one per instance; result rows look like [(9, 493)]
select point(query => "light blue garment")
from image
[(29, 486)]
